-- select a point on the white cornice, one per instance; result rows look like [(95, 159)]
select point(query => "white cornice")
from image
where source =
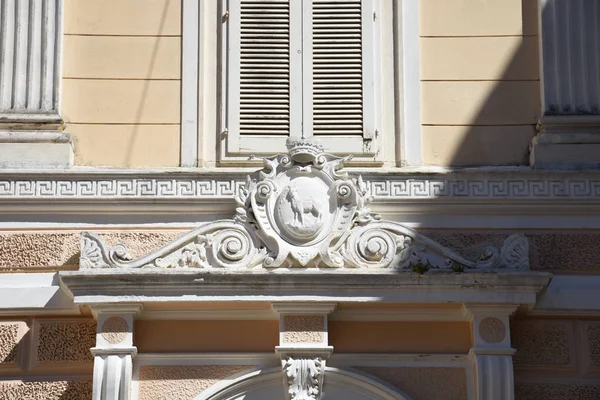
[(117, 286)]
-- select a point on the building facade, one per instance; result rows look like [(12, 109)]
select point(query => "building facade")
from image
[(299, 199)]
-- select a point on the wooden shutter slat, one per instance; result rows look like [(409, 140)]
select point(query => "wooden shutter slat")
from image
[(337, 68), (264, 94)]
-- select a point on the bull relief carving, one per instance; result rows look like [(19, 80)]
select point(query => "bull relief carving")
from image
[(302, 210)]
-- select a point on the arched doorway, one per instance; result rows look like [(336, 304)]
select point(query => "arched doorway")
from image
[(268, 385)]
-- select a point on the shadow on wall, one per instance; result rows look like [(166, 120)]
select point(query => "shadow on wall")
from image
[(147, 80), (497, 131)]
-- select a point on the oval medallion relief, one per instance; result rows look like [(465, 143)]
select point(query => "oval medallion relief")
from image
[(302, 209), (114, 330)]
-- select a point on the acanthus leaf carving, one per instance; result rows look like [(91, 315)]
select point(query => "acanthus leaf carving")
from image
[(303, 210), (303, 377)]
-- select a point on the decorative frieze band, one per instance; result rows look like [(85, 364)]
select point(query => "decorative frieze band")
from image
[(507, 186)]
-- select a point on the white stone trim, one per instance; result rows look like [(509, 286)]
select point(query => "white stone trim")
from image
[(190, 70), (412, 315), (257, 359), (103, 286), (33, 294), (205, 33), (114, 351), (569, 295), (35, 149), (101, 184), (302, 308), (565, 296), (243, 382), (408, 84), (399, 360), (491, 354)]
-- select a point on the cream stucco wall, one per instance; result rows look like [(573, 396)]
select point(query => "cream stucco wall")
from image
[(480, 93), (479, 81), (121, 81)]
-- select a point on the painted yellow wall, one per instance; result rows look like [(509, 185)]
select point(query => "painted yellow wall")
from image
[(206, 336), (479, 70), (121, 81), (479, 81), (400, 337)]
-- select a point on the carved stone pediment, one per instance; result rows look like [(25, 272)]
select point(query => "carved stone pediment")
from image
[(302, 210)]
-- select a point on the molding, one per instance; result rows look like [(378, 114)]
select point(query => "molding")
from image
[(570, 124), (190, 69), (442, 315), (258, 359), (34, 294), (35, 137), (35, 149), (472, 311), (569, 295), (408, 82), (399, 360), (246, 382), (210, 315), (202, 184), (347, 285), (116, 309), (476, 351), (112, 351), (343, 360), (300, 308), (18, 120), (477, 199)]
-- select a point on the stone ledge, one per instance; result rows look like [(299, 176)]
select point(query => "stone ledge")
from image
[(35, 150), (567, 142)]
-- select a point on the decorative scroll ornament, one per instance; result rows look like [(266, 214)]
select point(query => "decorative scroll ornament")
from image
[(303, 377), (302, 210)]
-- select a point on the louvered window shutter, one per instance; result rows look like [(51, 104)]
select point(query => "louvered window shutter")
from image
[(300, 68)]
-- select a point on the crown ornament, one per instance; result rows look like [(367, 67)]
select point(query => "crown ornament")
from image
[(304, 150)]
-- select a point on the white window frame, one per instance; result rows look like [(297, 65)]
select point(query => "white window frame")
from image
[(202, 130)]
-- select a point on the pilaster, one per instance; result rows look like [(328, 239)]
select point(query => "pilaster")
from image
[(303, 347), (491, 355), (114, 351), (30, 76)]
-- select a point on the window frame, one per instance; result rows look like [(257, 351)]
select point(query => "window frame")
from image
[(202, 131), (242, 146)]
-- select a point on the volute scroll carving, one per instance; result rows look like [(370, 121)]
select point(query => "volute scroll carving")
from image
[(302, 210)]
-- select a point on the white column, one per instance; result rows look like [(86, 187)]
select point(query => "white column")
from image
[(114, 351), (303, 347), (569, 129), (30, 43), (491, 354), (30, 74)]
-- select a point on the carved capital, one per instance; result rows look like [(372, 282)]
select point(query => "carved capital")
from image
[(303, 377)]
